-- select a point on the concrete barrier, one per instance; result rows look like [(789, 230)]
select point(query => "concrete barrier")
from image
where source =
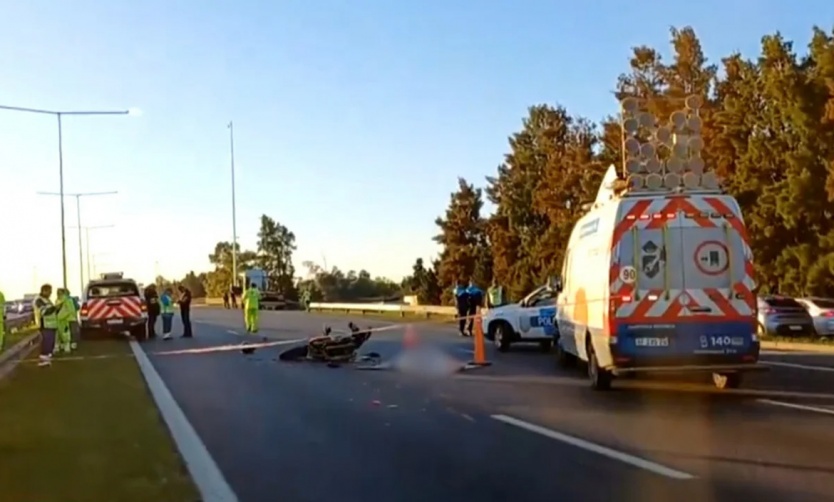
[(16, 322), (9, 359)]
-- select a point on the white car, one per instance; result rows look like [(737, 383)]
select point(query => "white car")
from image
[(530, 320), (822, 312)]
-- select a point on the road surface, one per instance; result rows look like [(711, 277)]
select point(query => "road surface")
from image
[(521, 430)]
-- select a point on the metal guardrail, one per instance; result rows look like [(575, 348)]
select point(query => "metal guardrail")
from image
[(375, 308), (15, 322)]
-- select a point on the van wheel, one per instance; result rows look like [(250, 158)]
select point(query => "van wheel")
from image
[(546, 345), (138, 333), (564, 358), (501, 338), (600, 378), (727, 380)]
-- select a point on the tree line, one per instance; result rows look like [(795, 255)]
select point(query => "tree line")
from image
[(768, 127), (274, 254)]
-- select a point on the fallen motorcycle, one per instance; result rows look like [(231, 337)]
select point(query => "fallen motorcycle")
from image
[(331, 348)]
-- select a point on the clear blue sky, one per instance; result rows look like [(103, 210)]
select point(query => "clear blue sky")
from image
[(353, 119)]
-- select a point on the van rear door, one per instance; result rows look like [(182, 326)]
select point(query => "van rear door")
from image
[(716, 260)]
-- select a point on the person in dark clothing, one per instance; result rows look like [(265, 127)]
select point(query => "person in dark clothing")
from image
[(462, 306), (226, 299), (475, 300), (233, 294), (185, 311), (152, 304)]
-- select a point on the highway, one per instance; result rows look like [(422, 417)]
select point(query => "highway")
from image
[(521, 430)]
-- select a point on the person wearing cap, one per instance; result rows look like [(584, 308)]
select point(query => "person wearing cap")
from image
[(46, 317), (251, 304)]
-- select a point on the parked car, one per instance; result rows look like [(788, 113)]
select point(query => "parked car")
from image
[(783, 316), (822, 312), (530, 320)]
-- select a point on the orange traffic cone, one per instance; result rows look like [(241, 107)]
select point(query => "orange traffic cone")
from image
[(479, 359)]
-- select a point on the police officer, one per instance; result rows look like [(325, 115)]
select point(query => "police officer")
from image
[(462, 305), (46, 316), (476, 299), (2, 320), (185, 311), (495, 295), (152, 305), (251, 304)]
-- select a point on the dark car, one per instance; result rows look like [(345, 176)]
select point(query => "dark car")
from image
[(113, 305), (783, 316)]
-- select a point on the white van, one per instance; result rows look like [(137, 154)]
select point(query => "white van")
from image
[(658, 281)]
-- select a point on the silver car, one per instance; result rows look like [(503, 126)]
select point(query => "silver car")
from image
[(822, 312), (783, 316)]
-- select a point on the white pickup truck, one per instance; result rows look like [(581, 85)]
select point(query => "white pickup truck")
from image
[(530, 320)]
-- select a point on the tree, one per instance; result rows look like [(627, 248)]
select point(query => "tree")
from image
[(276, 244), (461, 235), (423, 283)]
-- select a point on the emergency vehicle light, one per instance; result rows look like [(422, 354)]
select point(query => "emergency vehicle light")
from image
[(631, 125), (653, 165), (691, 180), (693, 102), (630, 105), (654, 181), (672, 180)]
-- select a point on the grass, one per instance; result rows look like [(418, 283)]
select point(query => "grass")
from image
[(86, 431)]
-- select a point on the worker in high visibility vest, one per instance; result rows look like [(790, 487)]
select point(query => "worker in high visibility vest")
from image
[(66, 312), (251, 306), (166, 306), (495, 295), (46, 315), (2, 320)]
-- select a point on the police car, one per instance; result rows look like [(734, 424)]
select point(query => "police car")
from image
[(530, 320)]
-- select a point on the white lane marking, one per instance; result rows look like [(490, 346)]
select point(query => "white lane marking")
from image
[(232, 332), (201, 466), (595, 448), (802, 407), (792, 353), (799, 366)]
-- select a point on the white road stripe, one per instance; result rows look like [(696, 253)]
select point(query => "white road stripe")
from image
[(202, 467), (232, 332), (799, 366), (802, 407), (595, 448)]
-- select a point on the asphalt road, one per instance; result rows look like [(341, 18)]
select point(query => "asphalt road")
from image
[(521, 430)]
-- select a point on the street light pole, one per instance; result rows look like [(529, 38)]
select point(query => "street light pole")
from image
[(59, 116), (87, 233), (77, 196), (234, 208)]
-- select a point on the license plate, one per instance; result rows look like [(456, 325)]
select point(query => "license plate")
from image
[(114, 321), (796, 328)]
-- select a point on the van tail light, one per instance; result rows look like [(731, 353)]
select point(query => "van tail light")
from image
[(828, 313), (769, 311), (84, 309), (144, 307)]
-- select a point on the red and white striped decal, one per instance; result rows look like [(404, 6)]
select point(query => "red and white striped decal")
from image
[(656, 306), (107, 308)]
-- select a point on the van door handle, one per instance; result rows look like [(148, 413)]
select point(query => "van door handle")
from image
[(700, 309)]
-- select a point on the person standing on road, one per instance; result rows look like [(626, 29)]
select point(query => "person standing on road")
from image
[(475, 300), (233, 295), (462, 306), (2, 321), (46, 316), (185, 311), (166, 303), (495, 295), (152, 304), (66, 311), (226, 300), (251, 304)]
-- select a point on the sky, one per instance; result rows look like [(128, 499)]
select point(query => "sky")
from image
[(352, 119)]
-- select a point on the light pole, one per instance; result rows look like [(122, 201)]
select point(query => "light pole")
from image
[(234, 209), (87, 234), (59, 116), (78, 223)]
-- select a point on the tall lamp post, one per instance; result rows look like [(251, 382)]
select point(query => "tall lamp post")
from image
[(87, 247), (59, 115), (78, 223), (234, 208)]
